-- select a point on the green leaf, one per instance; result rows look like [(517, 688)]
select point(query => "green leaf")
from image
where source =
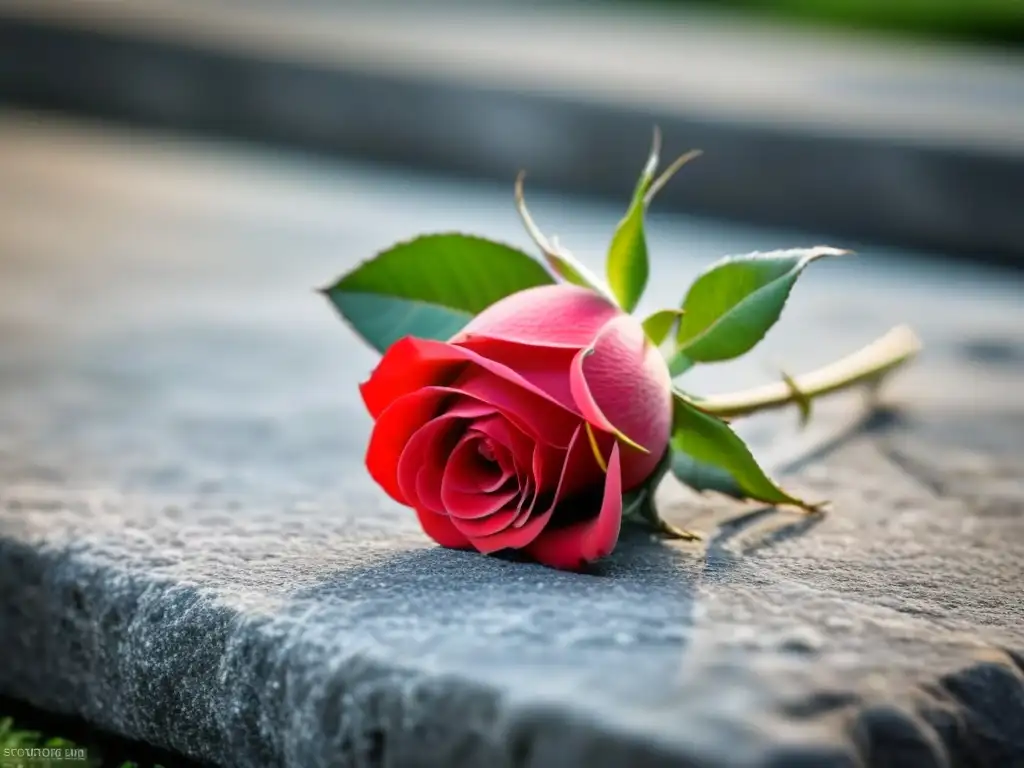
[(679, 364), (702, 477), (708, 452), (658, 325), (638, 505), (430, 287), (627, 265), (731, 306), (561, 261)]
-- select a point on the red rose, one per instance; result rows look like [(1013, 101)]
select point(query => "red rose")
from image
[(486, 435)]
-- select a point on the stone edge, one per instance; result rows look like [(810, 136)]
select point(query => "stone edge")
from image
[(174, 666)]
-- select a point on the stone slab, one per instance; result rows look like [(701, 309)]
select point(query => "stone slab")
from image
[(887, 140), (191, 553)]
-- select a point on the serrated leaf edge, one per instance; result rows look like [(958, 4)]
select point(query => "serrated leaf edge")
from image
[(818, 252)]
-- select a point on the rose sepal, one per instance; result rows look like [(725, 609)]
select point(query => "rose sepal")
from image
[(639, 506)]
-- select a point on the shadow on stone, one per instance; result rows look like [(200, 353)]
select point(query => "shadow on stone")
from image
[(878, 420), (993, 352), (730, 542)]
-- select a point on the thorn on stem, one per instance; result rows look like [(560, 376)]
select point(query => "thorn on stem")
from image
[(800, 398)]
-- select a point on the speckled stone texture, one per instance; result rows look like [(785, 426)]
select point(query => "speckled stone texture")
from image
[(191, 553)]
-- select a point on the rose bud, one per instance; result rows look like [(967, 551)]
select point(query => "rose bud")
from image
[(525, 428)]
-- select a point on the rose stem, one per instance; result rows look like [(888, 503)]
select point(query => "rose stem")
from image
[(866, 366)]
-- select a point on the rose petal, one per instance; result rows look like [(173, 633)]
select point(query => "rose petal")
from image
[(579, 470), (396, 427), (527, 498), (626, 376), (538, 417), (502, 434), (462, 497), (517, 538), (465, 408), (544, 367), (412, 364), (427, 446), (428, 487), (498, 480), (477, 528), (547, 316), (393, 430), (570, 548), (441, 530), (405, 369), (469, 472)]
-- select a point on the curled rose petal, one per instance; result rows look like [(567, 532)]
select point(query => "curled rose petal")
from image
[(396, 438), (500, 434), (572, 547), (623, 374), (425, 450), (441, 530), (460, 498), (479, 528), (524, 507), (539, 417), (471, 470), (544, 367), (517, 538), (428, 487), (404, 369), (395, 426), (412, 364)]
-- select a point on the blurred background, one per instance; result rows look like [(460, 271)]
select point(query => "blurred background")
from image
[(896, 122)]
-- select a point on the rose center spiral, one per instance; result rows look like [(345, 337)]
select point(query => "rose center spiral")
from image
[(486, 450)]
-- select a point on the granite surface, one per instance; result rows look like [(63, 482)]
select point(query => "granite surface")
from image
[(192, 555)]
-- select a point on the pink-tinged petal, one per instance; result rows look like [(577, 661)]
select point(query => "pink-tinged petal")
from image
[(527, 497), (479, 528), (441, 530), (504, 435), (464, 408), (429, 445), (544, 367), (625, 376), (465, 466), (518, 538), (460, 490), (475, 509), (426, 445), (392, 432), (541, 418), (547, 316), (584, 397), (468, 471), (548, 466), (574, 546), (499, 480), (411, 364), (575, 470)]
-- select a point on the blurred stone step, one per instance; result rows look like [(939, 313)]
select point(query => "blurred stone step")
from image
[(878, 140)]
